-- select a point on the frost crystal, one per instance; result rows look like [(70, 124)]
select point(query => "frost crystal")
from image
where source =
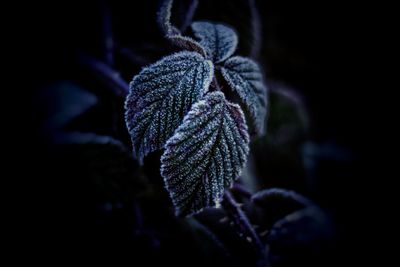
[(172, 33), (218, 40), (244, 76), (206, 153), (205, 137), (161, 95)]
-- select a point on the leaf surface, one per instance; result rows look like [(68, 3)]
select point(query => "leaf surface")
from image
[(205, 154), (172, 33), (161, 95), (244, 76), (219, 41)]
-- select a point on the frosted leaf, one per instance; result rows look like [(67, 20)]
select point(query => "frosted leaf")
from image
[(206, 154), (161, 95), (244, 76), (172, 33), (164, 18), (186, 43), (218, 40), (187, 10)]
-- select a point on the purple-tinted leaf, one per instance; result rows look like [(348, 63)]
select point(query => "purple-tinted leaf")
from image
[(161, 95), (243, 16), (245, 77), (186, 43), (189, 14), (275, 195), (219, 41), (205, 155)]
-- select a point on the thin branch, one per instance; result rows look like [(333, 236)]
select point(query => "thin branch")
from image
[(138, 215), (241, 190), (172, 33), (256, 30), (135, 58), (215, 84), (283, 194), (189, 15), (164, 18), (106, 74), (242, 223), (107, 36)]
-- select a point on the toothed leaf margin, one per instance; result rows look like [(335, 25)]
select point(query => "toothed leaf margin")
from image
[(205, 154), (219, 41), (244, 76), (161, 95)]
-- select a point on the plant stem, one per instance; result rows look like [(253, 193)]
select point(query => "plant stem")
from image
[(189, 15), (256, 29), (106, 74), (282, 194), (215, 84), (242, 223), (108, 42), (240, 189), (135, 58)]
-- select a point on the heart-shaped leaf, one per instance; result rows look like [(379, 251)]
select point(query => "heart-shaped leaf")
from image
[(205, 154), (161, 95), (245, 77), (218, 40), (243, 16)]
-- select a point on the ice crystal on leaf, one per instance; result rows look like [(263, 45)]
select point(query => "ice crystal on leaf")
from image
[(161, 95), (173, 34), (218, 40), (244, 76), (171, 106), (205, 154)]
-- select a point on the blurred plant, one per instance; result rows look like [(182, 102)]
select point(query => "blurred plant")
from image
[(181, 104)]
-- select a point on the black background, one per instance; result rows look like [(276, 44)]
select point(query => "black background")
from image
[(314, 47)]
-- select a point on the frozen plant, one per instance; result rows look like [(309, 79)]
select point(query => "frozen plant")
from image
[(177, 105)]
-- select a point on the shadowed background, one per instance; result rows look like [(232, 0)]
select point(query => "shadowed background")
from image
[(313, 145)]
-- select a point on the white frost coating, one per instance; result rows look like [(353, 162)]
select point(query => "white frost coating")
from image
[(174, 34), (219, 41), (205, 155), (244, 76), (159, 97)]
